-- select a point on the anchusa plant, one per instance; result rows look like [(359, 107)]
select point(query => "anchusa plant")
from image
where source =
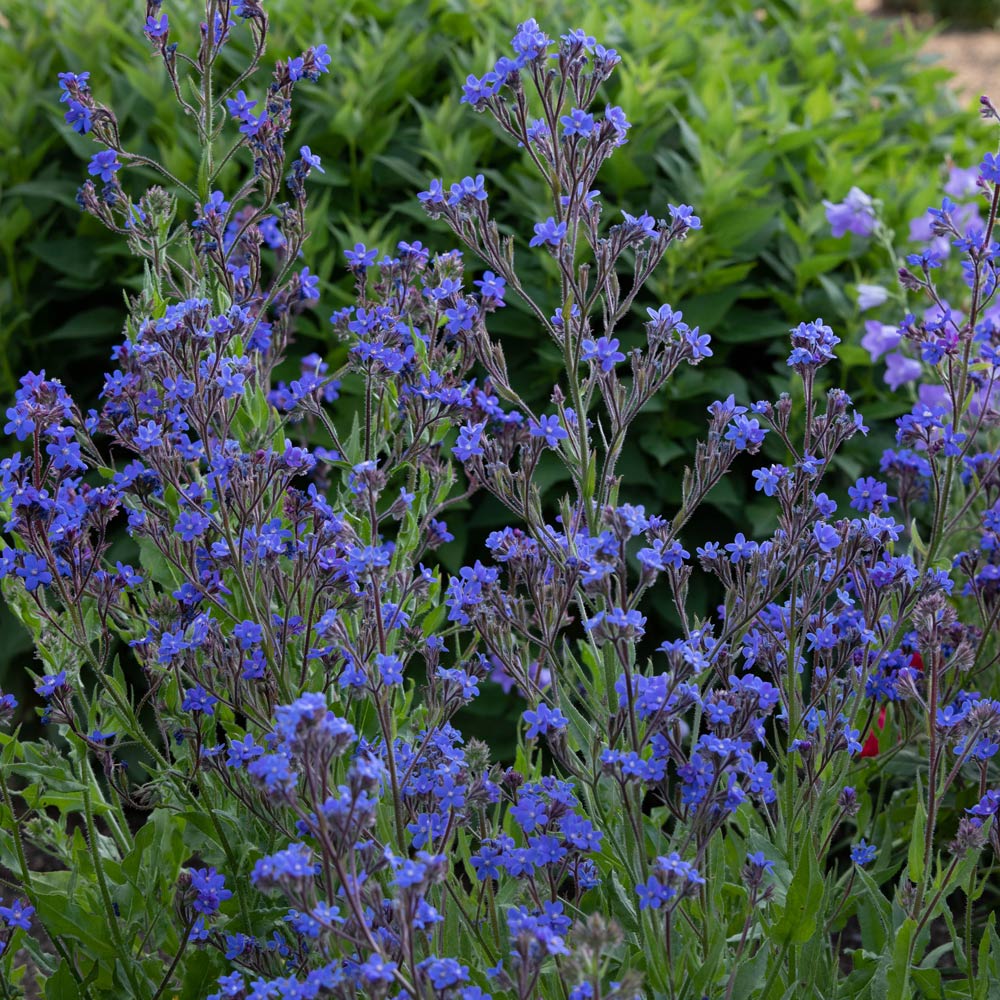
[(255, 784)]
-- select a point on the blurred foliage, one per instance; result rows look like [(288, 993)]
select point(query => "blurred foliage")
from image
[(754, 111), (963, 15)]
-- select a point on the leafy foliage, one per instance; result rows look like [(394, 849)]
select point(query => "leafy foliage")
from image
[(711, 815)]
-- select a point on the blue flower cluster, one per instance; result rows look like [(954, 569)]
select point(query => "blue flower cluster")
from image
[(306, 650)]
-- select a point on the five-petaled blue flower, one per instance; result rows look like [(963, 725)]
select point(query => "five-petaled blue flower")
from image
[(543, 719), (240, 105), (550, 232), (390, 668), (360, 258), (578, 122), (863, 853), (197, 699), (104, 165), (604, 351), (18, 914), (79, 117), (157, 27), (549, 428)]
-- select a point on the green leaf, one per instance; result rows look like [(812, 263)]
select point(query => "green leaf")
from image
[(69, 907), (91, 324), (898, 975), (929, 983), (874, 902), (797, 922), (156, 566), (751, 974), (61, 985), (988, 966), (918, 543)]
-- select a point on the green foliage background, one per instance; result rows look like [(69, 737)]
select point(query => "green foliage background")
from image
[(753, 111)]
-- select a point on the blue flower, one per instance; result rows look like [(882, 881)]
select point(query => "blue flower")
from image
[(321, 58), (210, 890), (191, 525), (660, 556), (248, 633), (308, 286), (148, 435), (604, 351), (68, 82), (740, 548), (758, 861), (988, 805), (863, 853), (855, 214), (699, 344), (376, 971), (461, 318), (684, 219), (578, 122), (51, 683), (427, 827), (653, 893), (530, 812), (530, 42), (616, 117), (104, 164), (35, 572), (274, 772), (434, 195), (18, 914), (468, 189), (444, 973), (990, 168), (492, 288), (293, 864), (198, 700), (867, 492), (926, 260), (477, 91), (548, 427), (767, 480), (310, 159), (826, 537), (543, 719), (745, 433), (469, 441), (360, 258), (157, 27), (548, 232), (240, 105), (390, 668), (252, 123), (242, 752), (870, 296), (79, 117), (484, 861)]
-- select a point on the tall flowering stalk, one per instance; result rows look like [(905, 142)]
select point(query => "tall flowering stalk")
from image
[(697, 814)]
